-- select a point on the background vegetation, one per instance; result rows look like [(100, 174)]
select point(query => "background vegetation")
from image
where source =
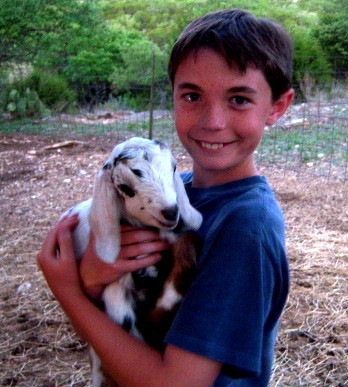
[(83, 52)]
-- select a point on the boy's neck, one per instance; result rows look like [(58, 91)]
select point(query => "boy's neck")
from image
[(205, 179)]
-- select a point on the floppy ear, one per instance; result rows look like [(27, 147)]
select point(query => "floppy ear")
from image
[(104, 216), (115, 152), (190, 216)]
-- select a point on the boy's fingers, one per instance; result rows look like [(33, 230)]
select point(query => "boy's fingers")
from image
[(64, 235), (56, 239), (143, 249), (49, 247), (132, 236), (140, 263)]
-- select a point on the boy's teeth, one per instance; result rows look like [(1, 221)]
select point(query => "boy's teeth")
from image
[(211, 146)]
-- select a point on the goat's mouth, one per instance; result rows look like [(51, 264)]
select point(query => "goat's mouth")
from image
[(166, 225)]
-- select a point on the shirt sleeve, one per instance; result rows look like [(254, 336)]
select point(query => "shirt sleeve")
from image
[(223, 314)]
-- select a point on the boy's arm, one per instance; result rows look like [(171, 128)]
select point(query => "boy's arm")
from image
[(132, 363), (129, 362)]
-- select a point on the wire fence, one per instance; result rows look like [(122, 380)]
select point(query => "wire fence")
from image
[(311, 138)]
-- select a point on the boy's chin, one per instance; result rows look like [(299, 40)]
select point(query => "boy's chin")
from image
[(230, 169)]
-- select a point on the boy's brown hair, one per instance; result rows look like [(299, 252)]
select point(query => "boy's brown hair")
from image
[(244, 41)]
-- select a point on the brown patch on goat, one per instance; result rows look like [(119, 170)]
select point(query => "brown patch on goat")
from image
[(183, 260)]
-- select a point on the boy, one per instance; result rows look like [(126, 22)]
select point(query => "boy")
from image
[(231, 76)]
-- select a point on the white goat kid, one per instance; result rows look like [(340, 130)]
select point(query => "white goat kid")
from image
[(139, 185)]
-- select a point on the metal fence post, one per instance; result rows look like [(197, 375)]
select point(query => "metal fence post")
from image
[(152, 92)]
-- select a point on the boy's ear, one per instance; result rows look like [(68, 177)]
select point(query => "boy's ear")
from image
[(279, 106)]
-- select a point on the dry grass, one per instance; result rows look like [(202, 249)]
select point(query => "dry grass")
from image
[(313, 341), (37, 344)]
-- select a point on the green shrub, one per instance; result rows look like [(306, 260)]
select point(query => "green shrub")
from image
[(34, 95), (52, 89), (134, 101)]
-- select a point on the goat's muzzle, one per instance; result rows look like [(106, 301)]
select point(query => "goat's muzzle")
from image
[(170, 217)]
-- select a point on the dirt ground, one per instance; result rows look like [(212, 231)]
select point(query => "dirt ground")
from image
[(38, 346)]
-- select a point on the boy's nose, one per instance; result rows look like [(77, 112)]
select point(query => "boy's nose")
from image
[(214, 117)]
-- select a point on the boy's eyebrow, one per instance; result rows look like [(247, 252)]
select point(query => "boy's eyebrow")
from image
[(235, 89), (188, 85), (242, 89)]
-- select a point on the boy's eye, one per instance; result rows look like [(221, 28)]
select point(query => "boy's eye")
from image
[(239, 100), (191, 97)]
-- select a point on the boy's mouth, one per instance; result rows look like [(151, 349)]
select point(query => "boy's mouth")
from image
[(213, 146)]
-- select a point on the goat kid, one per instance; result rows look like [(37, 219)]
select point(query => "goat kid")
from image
[(139, 185)]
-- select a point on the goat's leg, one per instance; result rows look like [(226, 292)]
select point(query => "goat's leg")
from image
[(100, 377), (96, 366), (119, 306)]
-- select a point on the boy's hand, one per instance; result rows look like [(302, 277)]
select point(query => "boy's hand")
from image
[(57, 259), (96, 274)]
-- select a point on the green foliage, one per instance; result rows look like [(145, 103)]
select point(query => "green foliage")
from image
[(136, 55), (92, 57), (32, 30), (162, 22), (332, 32), (23, 103), (52, 89), (64, 36), (34, 95), (111, 43), (312, 70)]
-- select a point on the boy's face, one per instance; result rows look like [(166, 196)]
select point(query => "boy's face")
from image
[(220, 115)]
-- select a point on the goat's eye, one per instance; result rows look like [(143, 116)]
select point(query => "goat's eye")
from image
[(138, 172), (174, 169), (126, 189)]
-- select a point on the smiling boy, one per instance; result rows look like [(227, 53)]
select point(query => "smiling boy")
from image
[(231, 76), (221, 114)]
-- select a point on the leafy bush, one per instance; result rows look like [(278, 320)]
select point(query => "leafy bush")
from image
[(332, 34), (49, 91), (137, 55), (36, 94), (52, 89)]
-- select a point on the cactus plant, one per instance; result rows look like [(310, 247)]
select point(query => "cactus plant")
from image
[(25, 104)]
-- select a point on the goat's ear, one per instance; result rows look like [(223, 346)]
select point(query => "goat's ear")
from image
[(190, 216), (115, 152), (104, 216)]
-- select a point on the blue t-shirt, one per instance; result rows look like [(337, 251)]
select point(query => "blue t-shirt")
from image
[(232, 309)]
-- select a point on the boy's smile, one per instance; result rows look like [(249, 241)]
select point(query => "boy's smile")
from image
[(220, 115)]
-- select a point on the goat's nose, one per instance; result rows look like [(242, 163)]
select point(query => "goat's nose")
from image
[(170, 213)]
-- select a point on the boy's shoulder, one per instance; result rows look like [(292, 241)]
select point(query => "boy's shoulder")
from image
[(248, 204), (250, 192)]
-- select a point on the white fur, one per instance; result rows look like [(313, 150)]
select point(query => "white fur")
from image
[(170, 297), (158, 189)]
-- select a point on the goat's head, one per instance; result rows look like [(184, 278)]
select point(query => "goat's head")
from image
[(143, 174), (139, 183)]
